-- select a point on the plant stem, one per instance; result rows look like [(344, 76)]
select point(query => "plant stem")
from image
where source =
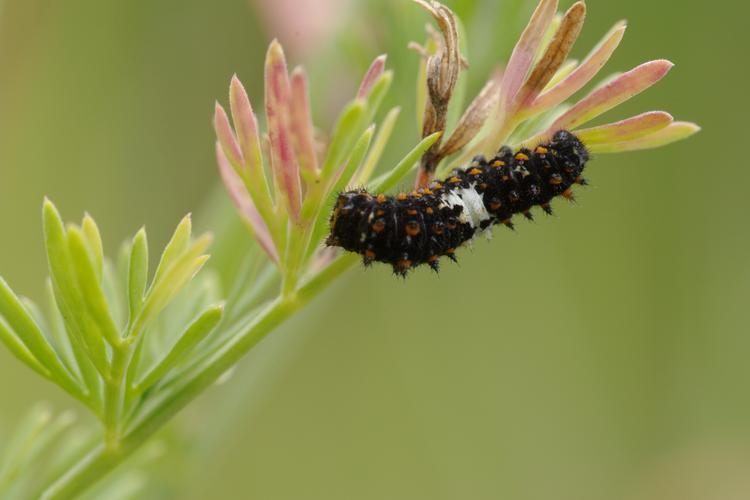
[(101, 460), (114, 394)]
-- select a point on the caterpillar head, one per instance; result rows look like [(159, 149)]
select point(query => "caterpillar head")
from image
[(567, 142), (347, 212)]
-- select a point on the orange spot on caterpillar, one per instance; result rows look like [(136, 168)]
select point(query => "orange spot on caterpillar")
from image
[(381, 198), (412, 228), (454, 180), (541, 150), (475, 171), (378, 226), (403, 264), (498, 163), (412, 211), (401, 197), (522, 157)]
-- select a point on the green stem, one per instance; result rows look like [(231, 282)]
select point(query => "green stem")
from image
[(102, 460), (114, 395)]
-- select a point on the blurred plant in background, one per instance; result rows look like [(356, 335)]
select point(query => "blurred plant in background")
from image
[(136, 352), (45, 445)]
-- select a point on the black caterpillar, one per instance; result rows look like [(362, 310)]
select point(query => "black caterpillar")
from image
[(409, 230)]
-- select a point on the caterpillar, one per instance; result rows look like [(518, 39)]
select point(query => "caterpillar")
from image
[(409, 230)]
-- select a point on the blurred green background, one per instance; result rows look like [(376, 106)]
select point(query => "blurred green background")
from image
[(599, 354)]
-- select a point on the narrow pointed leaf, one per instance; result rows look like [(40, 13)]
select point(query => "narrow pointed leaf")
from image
[(375, 98), (19, 350), (677, 131), (94, 241), (58, 336), (613, 94), (176, 246), (226, 136), (562, 73), (392, 178), (373, 73), (278, 115), (376, 152), (626, 130), (28, 332), (188, 340), (182, 270), (583, 74), (554, 56), (526, 49), (343, 137), (303, 132), (67, 295), (92, 293), (251, 171), (137, 272), (245, 206), (355, 160)]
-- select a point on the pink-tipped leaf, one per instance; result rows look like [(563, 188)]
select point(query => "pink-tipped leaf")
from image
[(579, 77), (554, 55), (613, 94), (302, 125), (676, 131), (244, 204), (246, 127), (373, 73), (226, 137), (626, 130), (278, 114), (526, 49)]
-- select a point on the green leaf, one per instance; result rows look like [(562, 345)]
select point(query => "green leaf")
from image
[(355, 160), (185, 344), (16, 347), (58, 335), (173, 279), (93, 295), (342, 138), (67, 295), (375, 97), (137, 272), (381, 140), (176, 246), (390, 179), (113, 293), (94, 241), (29, 333)]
